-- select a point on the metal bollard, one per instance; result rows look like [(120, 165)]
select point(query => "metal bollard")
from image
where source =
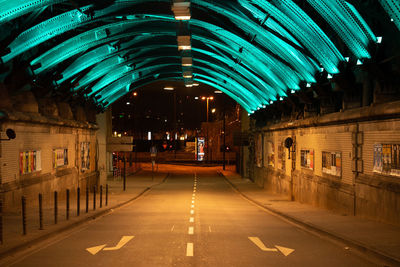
[(1, 221), (94, 197), (23, 200), (55, 206), (67, 205), (87, 199), (40, 212), (106, 194), (101, 196), (78, 201)]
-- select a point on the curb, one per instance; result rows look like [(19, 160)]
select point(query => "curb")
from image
[(26, 245), (316, 229)]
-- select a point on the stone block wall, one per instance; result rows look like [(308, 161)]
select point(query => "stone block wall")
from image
[(351, 139)]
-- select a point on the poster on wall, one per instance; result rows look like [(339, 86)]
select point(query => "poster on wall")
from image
[(29, 161), (332, 163), (270, 154), (387, 159), (259, 150), (281, 157), (307, 158), (60, 157), (395, 170), (85, 156), (200, 148), (377, 158)]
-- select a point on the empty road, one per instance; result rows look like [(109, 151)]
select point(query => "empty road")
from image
[(193, 219)]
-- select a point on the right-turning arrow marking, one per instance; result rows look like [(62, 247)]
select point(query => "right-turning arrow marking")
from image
[(285, 251)]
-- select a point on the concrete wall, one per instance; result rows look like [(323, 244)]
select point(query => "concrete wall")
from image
[(354, 190)]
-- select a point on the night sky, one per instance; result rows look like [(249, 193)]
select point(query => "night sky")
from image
[(152, 109)]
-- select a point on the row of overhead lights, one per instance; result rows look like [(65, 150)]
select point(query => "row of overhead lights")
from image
[(181, 10)]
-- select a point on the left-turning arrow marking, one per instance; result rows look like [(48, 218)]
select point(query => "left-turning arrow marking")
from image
[(121, 243)]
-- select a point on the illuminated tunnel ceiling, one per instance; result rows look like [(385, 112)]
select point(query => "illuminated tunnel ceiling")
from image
[(255, 51)]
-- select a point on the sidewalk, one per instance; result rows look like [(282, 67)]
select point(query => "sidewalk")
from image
[(379, 240), (14, 241)]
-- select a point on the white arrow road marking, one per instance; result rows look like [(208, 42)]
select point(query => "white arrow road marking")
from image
[(95, 250), (261, 245), (121, 243), (285, 251)]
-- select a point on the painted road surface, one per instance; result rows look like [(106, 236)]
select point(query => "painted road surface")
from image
[(193, 219)]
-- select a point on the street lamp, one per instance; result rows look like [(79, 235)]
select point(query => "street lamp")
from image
[(207, 99)]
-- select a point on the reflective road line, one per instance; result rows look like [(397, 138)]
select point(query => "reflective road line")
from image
[(189, 250)]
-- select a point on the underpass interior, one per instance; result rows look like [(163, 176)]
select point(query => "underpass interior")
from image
[(199, 132)]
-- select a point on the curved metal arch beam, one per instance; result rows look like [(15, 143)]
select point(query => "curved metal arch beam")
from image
[(323, 53), (348, 24), (273, 43), (246, 94), (293, 85), (115, 51), (238, 69), (96, 30), (17, 8), (288, 77), (129, 78), (261, 68), (108, 33), (175, 76), (106, 51), (124, 55), (121, 70), (60, 24), (240, 80)]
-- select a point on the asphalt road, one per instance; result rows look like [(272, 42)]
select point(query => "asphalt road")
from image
[(189, 221)]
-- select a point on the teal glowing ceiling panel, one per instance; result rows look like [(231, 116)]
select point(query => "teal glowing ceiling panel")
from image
[(392, 8), (11, 9), (348, 24), (45, 31), (326, 55)]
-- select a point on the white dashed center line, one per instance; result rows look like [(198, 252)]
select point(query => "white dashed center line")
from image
[(191, 219), (189, 250), (191, 230)]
